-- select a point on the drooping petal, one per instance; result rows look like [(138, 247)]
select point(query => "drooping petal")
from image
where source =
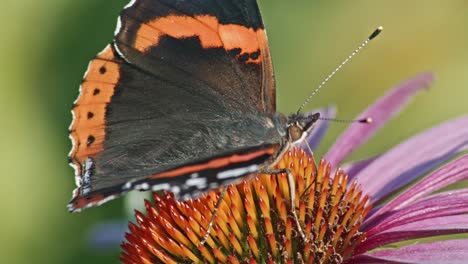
[(445, 225), (320, 128), (441, 252), (451, 173), (443, 204), (421, 153), (380, 112), (353, 168)]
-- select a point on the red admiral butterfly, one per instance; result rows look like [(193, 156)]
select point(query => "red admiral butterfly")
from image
[(182, 100)]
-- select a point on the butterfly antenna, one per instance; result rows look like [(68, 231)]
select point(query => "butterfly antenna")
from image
[(371, 37), (366, 120)]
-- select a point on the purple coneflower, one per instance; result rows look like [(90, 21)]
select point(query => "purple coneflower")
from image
[(348, 215)]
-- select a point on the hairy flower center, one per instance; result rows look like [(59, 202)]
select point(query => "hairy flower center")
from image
[(255, 223)]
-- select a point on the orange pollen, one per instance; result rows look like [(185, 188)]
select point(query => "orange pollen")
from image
[(255, 223)]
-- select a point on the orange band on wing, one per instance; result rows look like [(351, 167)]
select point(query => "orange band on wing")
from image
[(210, 32), (87, 130), (216, 163)]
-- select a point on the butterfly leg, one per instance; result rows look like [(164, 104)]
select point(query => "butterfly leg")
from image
[(215, 210), (292, 191)]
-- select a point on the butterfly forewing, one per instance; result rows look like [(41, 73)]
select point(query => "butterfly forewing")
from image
[(219, 45), (184, 83)]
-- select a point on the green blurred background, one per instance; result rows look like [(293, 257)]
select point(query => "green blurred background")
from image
[(46, 45)]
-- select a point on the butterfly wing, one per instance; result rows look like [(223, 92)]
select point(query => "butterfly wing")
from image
[(160, 104), (219, 45)]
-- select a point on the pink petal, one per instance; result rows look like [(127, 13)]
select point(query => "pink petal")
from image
[(320, 127), (426, 228), (414, 157), (444, 204), (453, 172), (366, 259), (441, 252), (380, 112), (353, 168), (453, 192)]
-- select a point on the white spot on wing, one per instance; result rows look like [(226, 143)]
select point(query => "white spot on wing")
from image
[(200, 183), (76, 192), (175, 190), (105, 200), (120, 53), (162, 186), (80, 90), (144, 186), (74, 210), (118, 27), (127, 186), (73, 116), (86, 191), (237, 172), (98, 203), (89, 68), (130, 4)]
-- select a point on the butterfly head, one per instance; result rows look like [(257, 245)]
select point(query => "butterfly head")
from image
[(299, 126)]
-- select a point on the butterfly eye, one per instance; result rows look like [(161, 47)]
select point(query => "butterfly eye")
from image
[(295, 132)]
